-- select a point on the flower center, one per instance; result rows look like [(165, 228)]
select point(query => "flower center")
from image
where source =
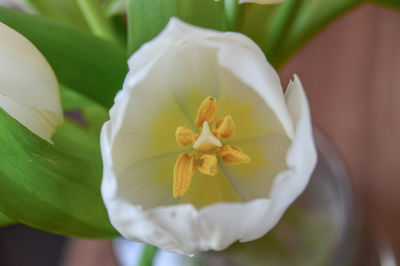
[(207, 147), (207, 142)]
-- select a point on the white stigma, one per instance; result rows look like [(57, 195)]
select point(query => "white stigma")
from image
[(206, 138)]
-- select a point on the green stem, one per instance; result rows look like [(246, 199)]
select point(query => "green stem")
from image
[(96, 19), (285, 17), (148, 255), (234, 14)]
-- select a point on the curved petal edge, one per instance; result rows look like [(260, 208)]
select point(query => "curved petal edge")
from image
[(29, 89)]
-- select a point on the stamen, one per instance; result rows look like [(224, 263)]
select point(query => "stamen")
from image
[(185, 136), (233, 155), (184, 170), (207, 111), (225, 127), (209, 165), (206, 142)]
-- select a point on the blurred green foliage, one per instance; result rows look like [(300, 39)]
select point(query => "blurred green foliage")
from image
[(4, 220), (52, 187), (87, 64)]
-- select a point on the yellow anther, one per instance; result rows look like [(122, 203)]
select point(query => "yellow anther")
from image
[(207, 111), (206, 142), (233, 155), (209, 164), (185, 136), (184, 169), (225, 127)]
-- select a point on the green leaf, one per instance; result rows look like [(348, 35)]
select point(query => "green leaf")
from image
[(4, 220), (116, 7), (148, 255), (96, 17), (88, 114), (52, 188), (65, 11), (281, 30), (71, 100), (388, 3), (90, 65), (147, 18)]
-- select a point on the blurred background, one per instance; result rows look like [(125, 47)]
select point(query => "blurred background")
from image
[(351, 73)]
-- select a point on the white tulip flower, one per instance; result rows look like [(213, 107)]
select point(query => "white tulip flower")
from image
[(29, 90), (202, 148)]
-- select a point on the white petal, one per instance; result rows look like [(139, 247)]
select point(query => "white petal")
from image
[(252, 116), (268, 158), (28, 87), (253, 70), (301, 160), (144, 121), (261, 1), (223, 224), (302, 155), (206, 190)]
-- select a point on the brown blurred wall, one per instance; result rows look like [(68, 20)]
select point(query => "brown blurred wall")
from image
[(351, 73)]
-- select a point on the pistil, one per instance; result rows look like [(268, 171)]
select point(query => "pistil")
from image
[(207, 142)]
